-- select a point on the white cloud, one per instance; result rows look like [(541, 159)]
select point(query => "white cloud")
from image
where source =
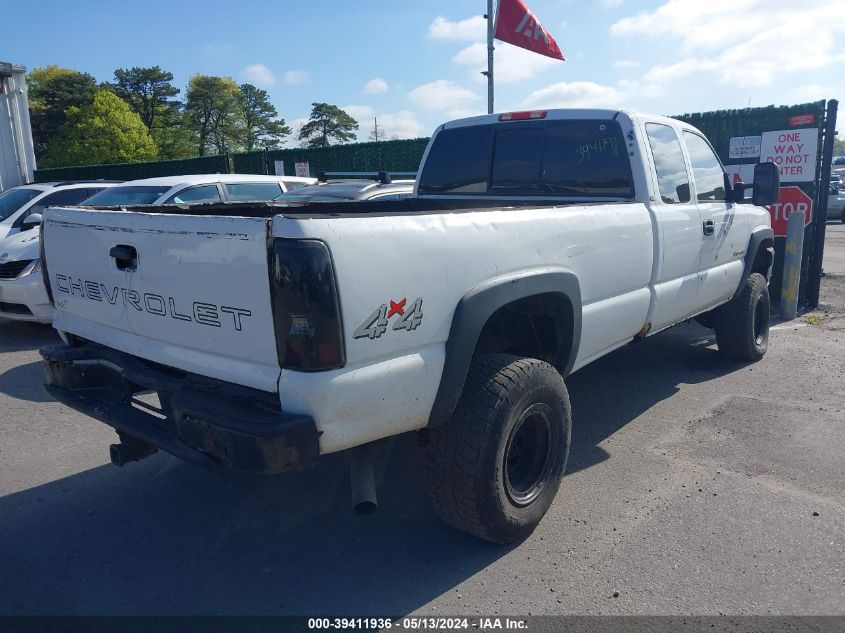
[(402, 124), (511, 64), (295, 126), (376, 86), (474, 28), (259, 75), (442, 95), (360, 113), (575, 94), (625, 63), (297, 77), (744, 42)]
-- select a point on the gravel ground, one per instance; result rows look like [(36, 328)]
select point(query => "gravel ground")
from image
[(696, 486)]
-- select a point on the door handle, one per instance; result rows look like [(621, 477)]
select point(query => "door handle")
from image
[(709, 227), (125, 257)]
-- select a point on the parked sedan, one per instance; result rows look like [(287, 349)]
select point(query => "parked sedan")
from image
[(18, 203), (199, 189), (836, 204), (23, 297), (22, 293)]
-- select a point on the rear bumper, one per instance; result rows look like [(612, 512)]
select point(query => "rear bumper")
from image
[(201, 420)]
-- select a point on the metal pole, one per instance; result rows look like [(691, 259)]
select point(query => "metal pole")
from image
[(815, 271), (792, 265), (490, 17)]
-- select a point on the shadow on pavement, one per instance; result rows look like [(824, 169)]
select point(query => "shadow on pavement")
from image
[(616, 389), (166, 537), (19, 336), (24, 383)]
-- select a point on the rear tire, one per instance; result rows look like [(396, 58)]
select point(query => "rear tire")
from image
[(494, 468), (742, 325)]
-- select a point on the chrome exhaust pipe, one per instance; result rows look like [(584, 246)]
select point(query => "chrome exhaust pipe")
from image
[(364, 500)]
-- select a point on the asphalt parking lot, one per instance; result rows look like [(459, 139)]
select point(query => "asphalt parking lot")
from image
[(695, 486)]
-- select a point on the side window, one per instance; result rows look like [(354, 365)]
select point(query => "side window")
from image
[(253, 191), (706, 169), (586, 158), (57, 199), (459, 161), (672, 176), (196, 195), (290, 185)]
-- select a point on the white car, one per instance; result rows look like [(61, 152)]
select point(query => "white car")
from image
[(836, 204), (199, 189), (22, 294), (17, 203)]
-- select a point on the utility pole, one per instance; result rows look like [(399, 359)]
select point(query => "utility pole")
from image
[(375, 129), (489, 16)]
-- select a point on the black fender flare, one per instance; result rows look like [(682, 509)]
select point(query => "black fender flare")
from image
[(761, 236), (472, 313)]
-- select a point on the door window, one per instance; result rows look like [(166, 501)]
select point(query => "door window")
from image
[(672, 176), (257, 191), (57, 199), (706, 169), (203, 194)]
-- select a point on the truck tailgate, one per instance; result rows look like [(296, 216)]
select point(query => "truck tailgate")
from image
[(186, 291)]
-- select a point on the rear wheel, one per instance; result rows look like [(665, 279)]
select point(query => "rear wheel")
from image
[(742, 325), (494, 468)]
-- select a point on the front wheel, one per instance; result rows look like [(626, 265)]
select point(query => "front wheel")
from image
[(742, 325), (494, 468)]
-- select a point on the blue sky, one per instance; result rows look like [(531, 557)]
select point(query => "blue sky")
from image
[(416, 64)]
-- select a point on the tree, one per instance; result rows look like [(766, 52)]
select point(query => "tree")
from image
[(838, 145), (52, 91), (327, 123), (261, 122), (177, 139), (214, 113), (148, 92), (104, 131)]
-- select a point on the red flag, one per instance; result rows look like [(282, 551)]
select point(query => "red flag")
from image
[(516, 25)]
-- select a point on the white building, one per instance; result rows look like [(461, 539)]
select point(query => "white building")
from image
[(17, 158)]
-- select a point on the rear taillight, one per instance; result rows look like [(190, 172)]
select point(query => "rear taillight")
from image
[(306, 312)]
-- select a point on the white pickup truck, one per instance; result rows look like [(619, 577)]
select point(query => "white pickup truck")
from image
[(536, 242)]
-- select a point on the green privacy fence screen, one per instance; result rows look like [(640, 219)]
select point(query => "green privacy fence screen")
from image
[(134, 171), (400, 155)]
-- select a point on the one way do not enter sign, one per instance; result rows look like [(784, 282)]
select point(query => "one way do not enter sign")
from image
[(791, 199)]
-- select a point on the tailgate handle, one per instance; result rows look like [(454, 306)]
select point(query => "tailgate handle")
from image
[(126, 257)]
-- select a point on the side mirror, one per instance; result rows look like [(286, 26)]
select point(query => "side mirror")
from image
[(766, 184), (31, 221)]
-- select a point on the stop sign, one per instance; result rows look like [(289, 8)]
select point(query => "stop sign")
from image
[(791, 199)]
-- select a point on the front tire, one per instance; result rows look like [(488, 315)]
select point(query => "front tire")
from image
[(742, 325), (494, 468)]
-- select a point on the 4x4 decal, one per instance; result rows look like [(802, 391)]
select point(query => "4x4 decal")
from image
[(376, 324)]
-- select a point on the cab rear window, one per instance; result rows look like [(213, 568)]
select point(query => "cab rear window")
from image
[(579, 158)]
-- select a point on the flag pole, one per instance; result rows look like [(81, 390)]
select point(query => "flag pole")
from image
[(489, 73)]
